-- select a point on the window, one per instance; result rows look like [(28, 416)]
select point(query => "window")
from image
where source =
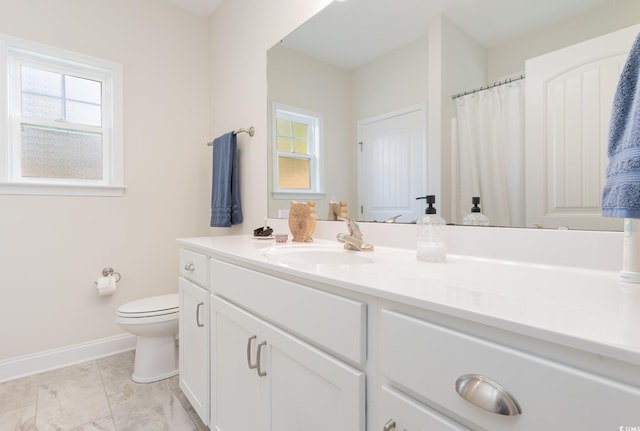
[(63, 122), (296, 153)]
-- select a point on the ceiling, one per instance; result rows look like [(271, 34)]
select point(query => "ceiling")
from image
[(200, 7), (341, 36)]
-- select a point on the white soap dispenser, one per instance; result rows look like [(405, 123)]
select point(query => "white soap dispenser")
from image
[(431, 234), (475, 217)]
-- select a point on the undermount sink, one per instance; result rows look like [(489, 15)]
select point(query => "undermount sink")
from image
[(307, 255)]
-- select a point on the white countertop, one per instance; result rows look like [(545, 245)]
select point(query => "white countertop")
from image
[(577, 307)]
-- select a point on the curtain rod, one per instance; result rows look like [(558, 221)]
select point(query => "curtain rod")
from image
[(487, 87)]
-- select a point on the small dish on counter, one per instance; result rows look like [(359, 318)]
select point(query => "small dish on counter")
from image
[(264, 232), (282, 238)]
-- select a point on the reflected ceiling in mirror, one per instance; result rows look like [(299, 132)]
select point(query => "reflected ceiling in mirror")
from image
[(335, 63)]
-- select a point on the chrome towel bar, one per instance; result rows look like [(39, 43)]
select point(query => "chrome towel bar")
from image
[(251, 131)]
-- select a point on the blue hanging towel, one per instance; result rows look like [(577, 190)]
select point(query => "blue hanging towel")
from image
[(225, 185), (621, 194)]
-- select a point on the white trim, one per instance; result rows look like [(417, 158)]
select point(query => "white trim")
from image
[(51, 189), (298, 195), (317, 153), (27, 365), (110, 74)]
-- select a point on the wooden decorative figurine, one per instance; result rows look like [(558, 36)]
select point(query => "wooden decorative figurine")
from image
[(337, 210), (302, 220)]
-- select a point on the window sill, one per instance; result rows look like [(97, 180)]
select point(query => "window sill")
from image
[(298, 195), (50, 189)]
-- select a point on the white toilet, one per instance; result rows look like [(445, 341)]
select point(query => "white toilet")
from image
[(155, 321)]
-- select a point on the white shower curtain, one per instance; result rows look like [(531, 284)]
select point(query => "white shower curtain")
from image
[(490, 141)]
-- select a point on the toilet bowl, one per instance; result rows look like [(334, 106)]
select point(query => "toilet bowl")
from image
[(155, 322)]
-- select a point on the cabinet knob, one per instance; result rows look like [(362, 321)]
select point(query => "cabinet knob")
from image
[(487, 394), (389, 426), (190, 267)]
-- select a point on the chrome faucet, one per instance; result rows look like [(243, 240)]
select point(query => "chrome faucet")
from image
[(353, 240), (393, 219)]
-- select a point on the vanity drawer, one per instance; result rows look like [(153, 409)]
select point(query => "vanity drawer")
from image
[(328, 320), (428, 360), (399, 412), (194, 267)]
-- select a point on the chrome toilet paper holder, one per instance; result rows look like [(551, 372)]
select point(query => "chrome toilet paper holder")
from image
[(109, 271)]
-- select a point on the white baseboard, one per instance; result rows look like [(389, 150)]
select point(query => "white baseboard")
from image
[(34, 363)]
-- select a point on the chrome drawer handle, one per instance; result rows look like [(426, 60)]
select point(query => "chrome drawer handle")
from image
[(487, 394), (190, 267), (261, 373), (200, 304), (249, 342), (389, 426)]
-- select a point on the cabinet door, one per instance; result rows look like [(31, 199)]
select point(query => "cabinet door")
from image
[(236, 388), (194, 346), (309, 389), (399, 412)]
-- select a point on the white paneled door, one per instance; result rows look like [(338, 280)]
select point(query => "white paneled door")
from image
[(568, 107), (392, 165)]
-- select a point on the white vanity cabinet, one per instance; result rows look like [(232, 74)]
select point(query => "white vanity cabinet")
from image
[(289, 349), (479, 382), (265, 378), (194, 330)]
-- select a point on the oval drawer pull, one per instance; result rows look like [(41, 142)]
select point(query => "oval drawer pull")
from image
[(487, 394), (190, 266)]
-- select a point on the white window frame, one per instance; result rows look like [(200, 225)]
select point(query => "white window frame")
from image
[(13, 53), (316, 191)]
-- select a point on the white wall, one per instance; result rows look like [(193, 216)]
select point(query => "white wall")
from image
[(464, 66), (300, 81), (509, 58), (344, 97), (391, 82), (241, 32), (53, 248), (456, 61)]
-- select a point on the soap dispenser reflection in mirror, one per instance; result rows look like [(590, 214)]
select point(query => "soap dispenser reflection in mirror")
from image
[(475, 216)]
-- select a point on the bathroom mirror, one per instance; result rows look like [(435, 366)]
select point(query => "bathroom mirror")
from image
[(360, 62)]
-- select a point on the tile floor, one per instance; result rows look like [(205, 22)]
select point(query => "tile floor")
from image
[(95, 396)]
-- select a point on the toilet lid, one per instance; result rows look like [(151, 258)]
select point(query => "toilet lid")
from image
[(162, 304)]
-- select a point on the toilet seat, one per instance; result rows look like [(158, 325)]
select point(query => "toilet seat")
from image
[(155, 306)]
